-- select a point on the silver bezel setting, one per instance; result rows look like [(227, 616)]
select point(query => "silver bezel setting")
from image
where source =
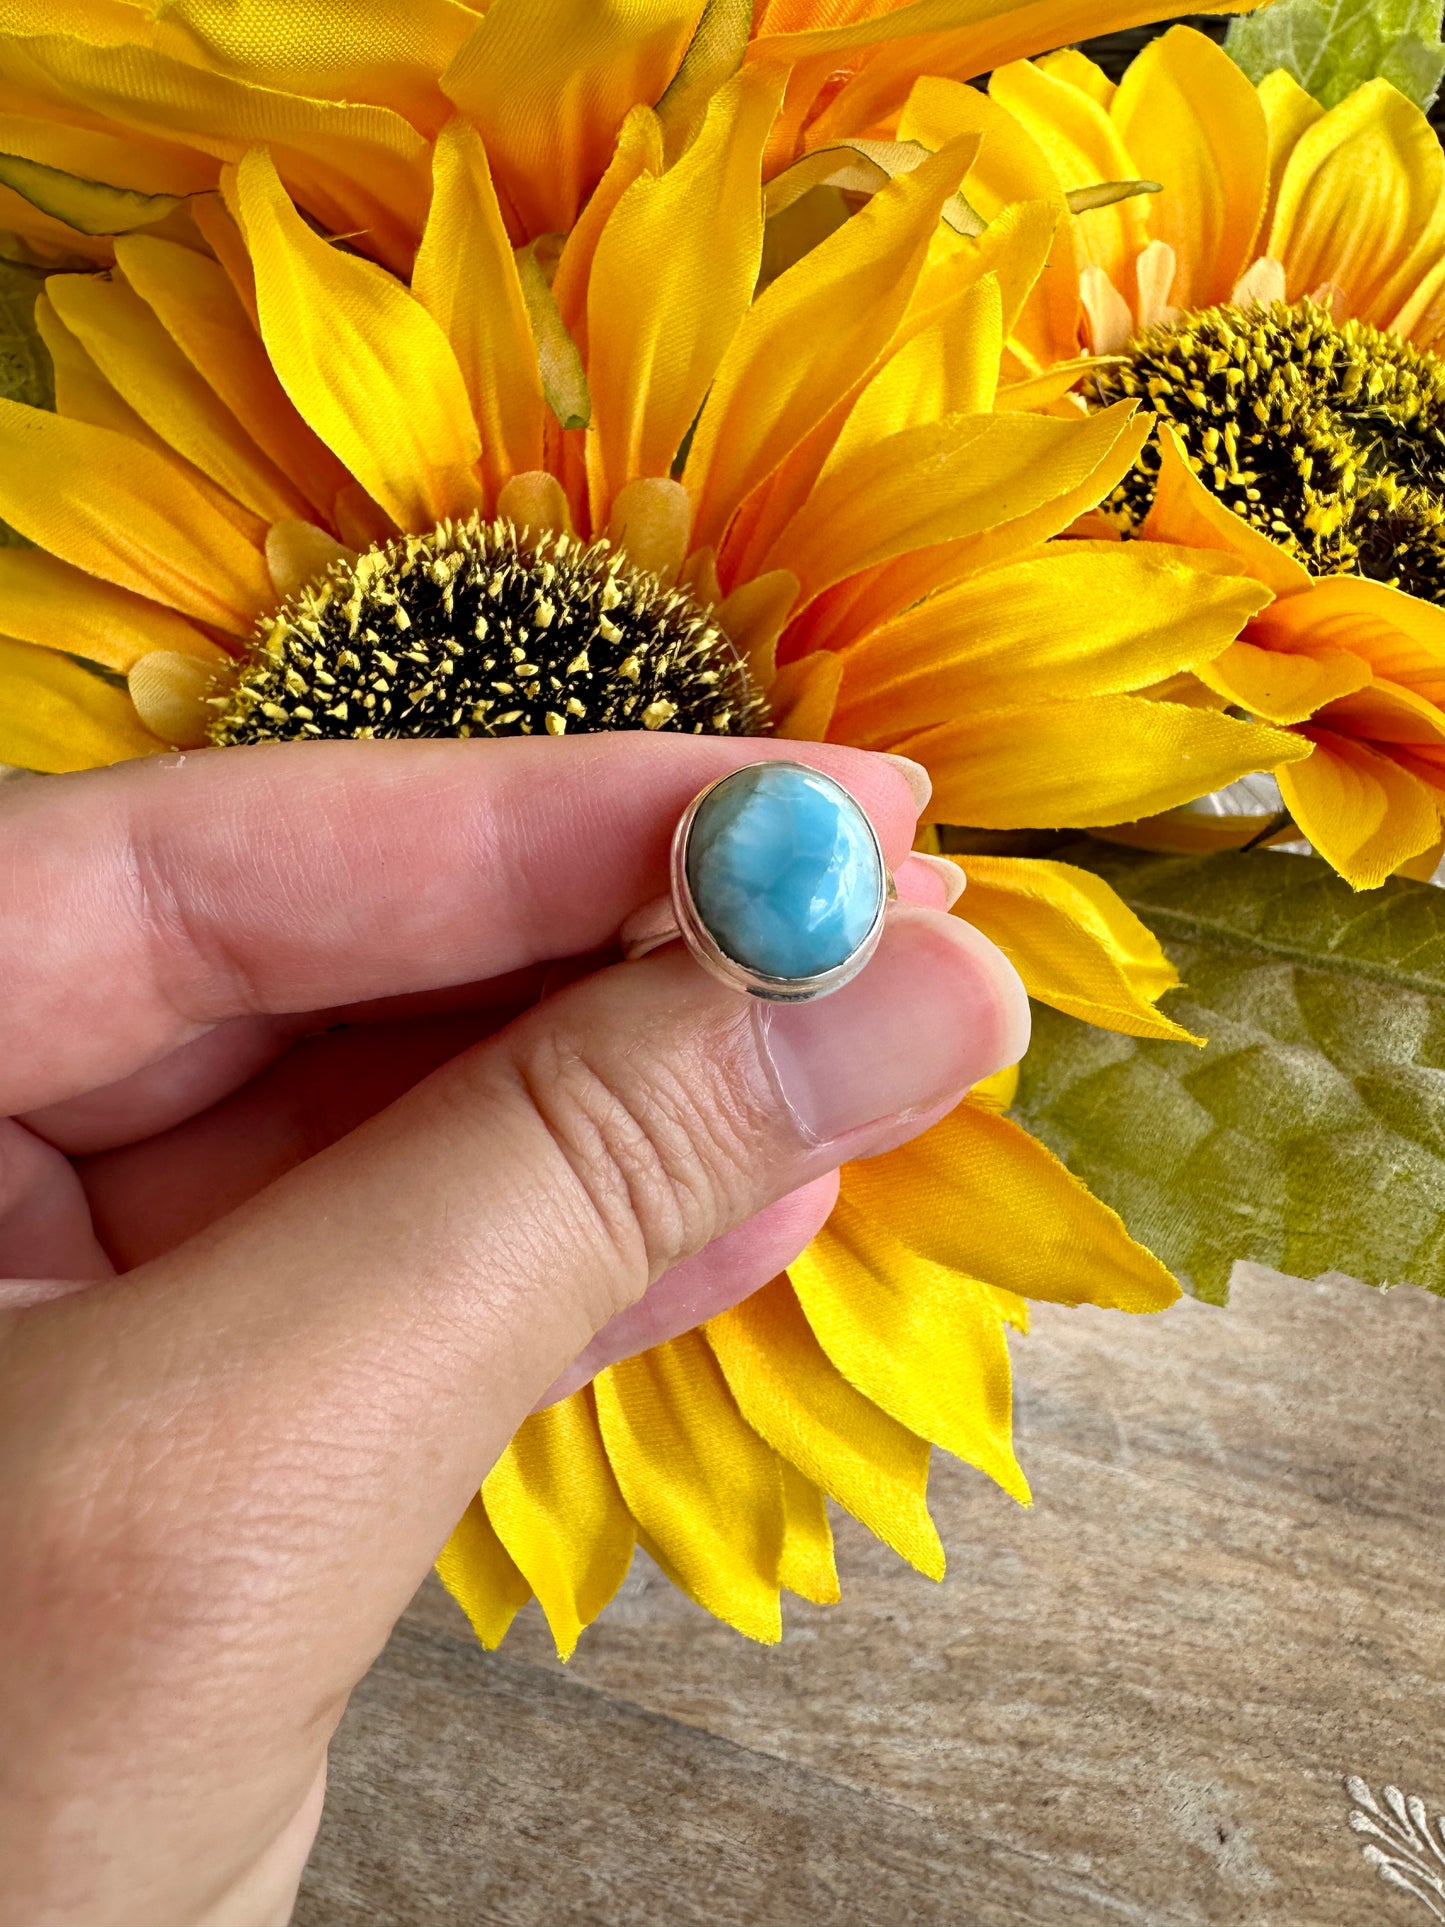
[(704, 947)]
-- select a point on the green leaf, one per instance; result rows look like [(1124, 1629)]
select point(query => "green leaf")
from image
[(1310, 1134), (25, 371), (1334, 46), (90, 207)]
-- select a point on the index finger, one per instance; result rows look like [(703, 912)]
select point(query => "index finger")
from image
[(142, 904)]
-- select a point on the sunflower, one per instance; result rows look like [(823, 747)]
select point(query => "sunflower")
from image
[(117, 114), (1280, 305), (285, 495)]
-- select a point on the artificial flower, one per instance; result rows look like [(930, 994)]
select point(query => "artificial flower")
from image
[(287, 496), (117, 114), (1280, 305)]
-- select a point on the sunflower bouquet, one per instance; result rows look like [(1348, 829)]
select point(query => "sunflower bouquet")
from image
[(878, 374)]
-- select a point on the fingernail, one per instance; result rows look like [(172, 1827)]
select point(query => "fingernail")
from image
[(915, 776), (948, 873), (938, 1008)]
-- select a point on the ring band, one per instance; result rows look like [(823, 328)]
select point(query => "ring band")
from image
[(778, 885)]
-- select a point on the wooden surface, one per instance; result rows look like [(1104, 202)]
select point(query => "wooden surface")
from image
[(1135, 1703)]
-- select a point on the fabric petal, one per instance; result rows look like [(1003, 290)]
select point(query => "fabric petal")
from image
[(1184, 511), (550, 82), (1399, 636), (363, 361), (47, 601), (920, 1340), (1076, 945), (806, 1565), (1362, 202), (1362, 812), (1192, 121), (466, 278), (1101, 759), (1289, 113), (701, 1484), (1137, 612), (810, 336), (1279, 687), (479, 1573), (556, 1508), (128, 514), (793, 1396), (671, 280), (58, 715), (976, 1194)]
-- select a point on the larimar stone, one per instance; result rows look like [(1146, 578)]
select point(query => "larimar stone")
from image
[(784, 870)]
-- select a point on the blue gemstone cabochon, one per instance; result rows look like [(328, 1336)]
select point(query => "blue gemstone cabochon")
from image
[(784, 870)]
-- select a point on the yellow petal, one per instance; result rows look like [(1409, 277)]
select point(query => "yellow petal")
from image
[(1192, 121), (1362, 202), (466, 278), (557, 1510), (347, 50), (82, 393), (803, 697), (129, 515), (58, 715), (49, 602), (793, 1396), (1399, 637), (1101, 759), (810, 336), (1083, 146), (478, 1572), (173, 694), (551, 82), (358, 169), (1079, 71), (922, 1341), (805, 1565), (1074, 943), (1015, 1216), (1184, 511), (1363, 813), (297, 552), (127, 342), (1137, 612), (652, 520), (196, 302), (1283, 688), (1289, 113), (672, 278), (363, 361), (706, 1490)]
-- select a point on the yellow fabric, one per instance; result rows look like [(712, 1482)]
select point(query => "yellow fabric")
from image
[(49, 602), (701, 1484), (57, 715), (805, 1565), (1283, 688), (127, 342), (195, 301), (478, 1572), (1190, 119), (1399, 636), (556, 1508), (82, 392), (1289, 113), (1136, 613), (1363, 813), (1185, 512), (793, 1396), (129, 515), (466, 278), (364, 362), (1361, 202), (1101, 759), (1073, 941), (809, 337), (549, 83), (671, 280), (359, 169), (978, 1192), (922, 1341)]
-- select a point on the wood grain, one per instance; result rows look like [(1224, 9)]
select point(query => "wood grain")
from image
[(1134, 1703)]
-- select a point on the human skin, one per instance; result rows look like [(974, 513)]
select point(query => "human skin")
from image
[(333, 1133)]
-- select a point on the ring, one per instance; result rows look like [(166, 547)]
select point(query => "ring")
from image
[(779, 887)]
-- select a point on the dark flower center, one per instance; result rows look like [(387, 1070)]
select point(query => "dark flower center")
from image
[(475, 630), (1328, 438)]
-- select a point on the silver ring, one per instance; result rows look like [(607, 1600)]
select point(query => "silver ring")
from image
[(746, 932)]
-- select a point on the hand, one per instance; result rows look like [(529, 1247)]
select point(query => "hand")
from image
[(332, 1135)]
